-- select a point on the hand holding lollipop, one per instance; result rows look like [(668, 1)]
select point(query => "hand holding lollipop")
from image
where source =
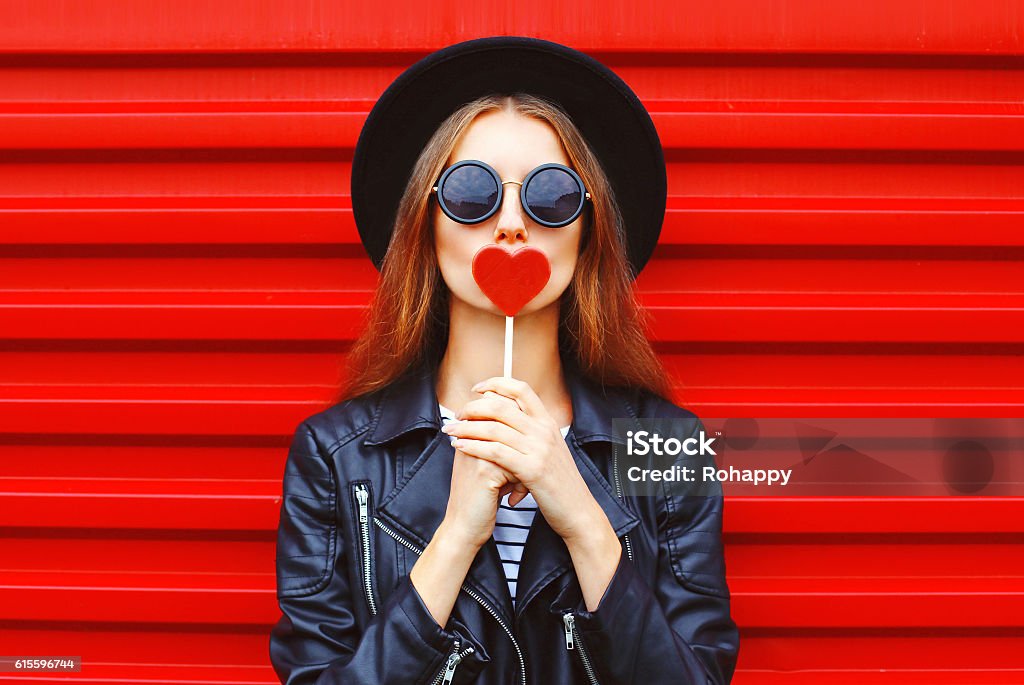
[(510, 280)]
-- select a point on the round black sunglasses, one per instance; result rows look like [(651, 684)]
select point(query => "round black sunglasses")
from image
[(470, 191)]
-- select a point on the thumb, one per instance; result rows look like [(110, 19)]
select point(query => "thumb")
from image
[(519, 493)]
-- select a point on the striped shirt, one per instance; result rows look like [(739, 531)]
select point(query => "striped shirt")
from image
[(511, 526)]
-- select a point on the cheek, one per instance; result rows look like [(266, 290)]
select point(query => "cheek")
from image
[(455, 249), (561, 273), (563, 263), (445, 243)]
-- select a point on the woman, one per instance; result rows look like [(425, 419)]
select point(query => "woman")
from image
[(443, 524)]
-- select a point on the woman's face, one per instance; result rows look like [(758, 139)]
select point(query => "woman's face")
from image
[(514, 145)]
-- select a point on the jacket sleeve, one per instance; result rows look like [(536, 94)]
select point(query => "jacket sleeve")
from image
[(317, 639), (680, 630)]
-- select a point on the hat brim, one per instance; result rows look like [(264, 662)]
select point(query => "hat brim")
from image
[(607, 112)]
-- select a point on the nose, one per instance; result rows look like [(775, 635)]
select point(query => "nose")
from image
[(511, 228)]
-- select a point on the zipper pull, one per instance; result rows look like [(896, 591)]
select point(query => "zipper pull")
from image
[(453, 661), (362, 496), (568, 619)]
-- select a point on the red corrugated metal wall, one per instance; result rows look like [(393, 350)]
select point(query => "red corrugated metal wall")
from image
[(180, 276)]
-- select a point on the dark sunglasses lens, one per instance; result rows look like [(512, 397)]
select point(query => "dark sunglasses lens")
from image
[(469, 192), (553, 195)]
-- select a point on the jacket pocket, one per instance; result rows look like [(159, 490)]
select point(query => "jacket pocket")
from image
[(362, 499), (573, 641), (694, 541), (447, 672)]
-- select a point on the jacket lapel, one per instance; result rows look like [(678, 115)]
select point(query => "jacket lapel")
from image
[(545, 556), (417, 504)]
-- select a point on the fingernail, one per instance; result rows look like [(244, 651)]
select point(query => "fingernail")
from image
[(447, 428), (477, 386)]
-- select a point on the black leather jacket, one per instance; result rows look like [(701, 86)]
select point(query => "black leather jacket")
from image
[(365, 486)]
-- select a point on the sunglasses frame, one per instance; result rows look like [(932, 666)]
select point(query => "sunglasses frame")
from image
[(584, 195)]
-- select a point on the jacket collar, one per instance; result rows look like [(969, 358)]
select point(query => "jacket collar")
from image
[(417, 504), (411, 403)]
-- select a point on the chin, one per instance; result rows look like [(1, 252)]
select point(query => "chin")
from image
[(537, 305), (477, 301)]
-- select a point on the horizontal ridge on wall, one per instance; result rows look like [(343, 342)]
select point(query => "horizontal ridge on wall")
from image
[(876, 26)]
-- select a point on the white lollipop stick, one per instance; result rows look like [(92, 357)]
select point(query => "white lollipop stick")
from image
[(508, 347)]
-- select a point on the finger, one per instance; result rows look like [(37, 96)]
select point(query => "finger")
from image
[(519, 493), (498, 396), (496, 409), (509, 402), (511, 483), (510, 477), (494, 452), (484, 429), (513, 486), (517, 390)]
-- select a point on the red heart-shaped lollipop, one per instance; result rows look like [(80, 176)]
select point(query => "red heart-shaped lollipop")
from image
[(510, 279)]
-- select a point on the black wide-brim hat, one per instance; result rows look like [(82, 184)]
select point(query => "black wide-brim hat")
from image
[(607, 112)]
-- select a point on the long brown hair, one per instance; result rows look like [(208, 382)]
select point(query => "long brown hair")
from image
[(601, 326)]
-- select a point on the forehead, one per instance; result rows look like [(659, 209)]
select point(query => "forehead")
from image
[(512, 144)]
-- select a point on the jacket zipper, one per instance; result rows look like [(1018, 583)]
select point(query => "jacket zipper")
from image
[(362, 495), (445, 677), (469, 591), (618, 493), (572, 640)]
